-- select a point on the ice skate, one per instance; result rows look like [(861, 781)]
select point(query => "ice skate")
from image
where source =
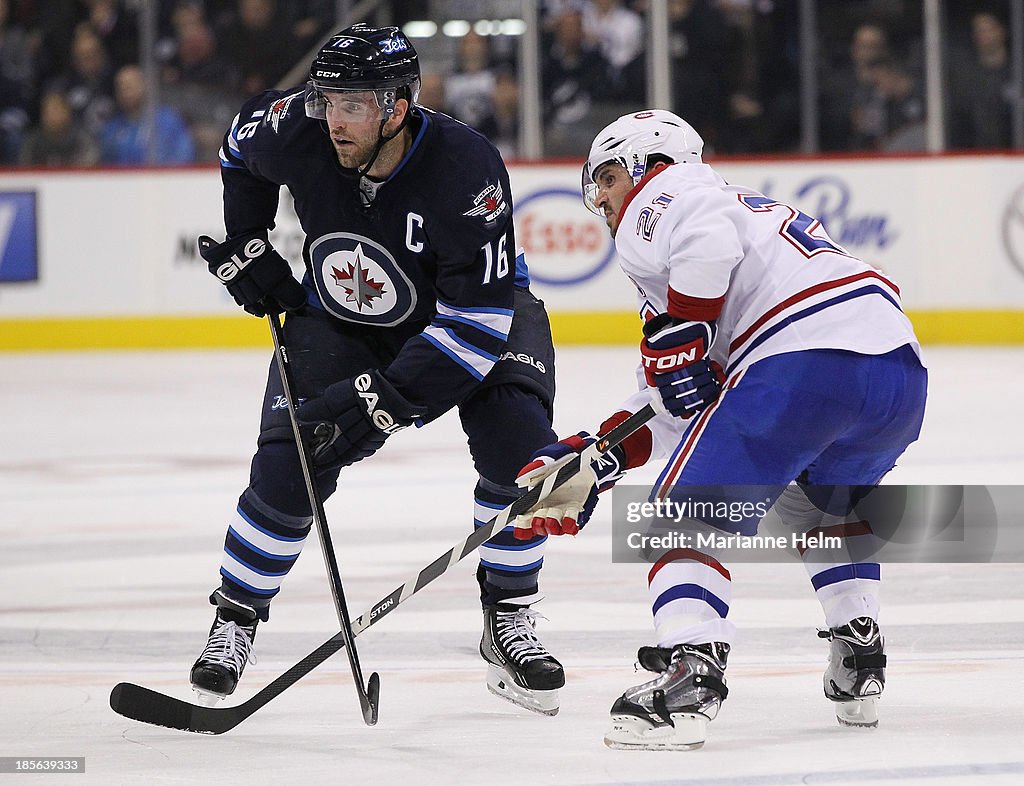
[(672, 711), (519, 668), (855, 676), (229, 647)]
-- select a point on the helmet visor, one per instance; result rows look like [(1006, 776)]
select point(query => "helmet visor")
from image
[(353, 106), (589, 186)]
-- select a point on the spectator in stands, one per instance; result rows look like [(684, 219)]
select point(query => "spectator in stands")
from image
[(981, 87), (697, 47), (504, 131), (193, 80), (55, 25), (572, 75), (88, 82), (18, 47), (310, 21), (259, 45), (618, 34), (191, 53), (17, 84), (432, 85), (761, 111), (13, 119), (849, 107), (58, 141), (897, 106), (469, 90), (118, 28), (125, 138), (891, 116)]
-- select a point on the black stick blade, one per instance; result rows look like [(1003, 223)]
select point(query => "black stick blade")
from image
[(372, 708), (148, 706)]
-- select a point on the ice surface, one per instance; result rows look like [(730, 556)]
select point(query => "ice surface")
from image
[(117, 475)]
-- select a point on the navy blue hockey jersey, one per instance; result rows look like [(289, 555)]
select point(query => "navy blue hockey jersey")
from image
[(433, 256)]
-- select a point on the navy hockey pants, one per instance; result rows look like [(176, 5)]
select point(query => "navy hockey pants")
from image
[(505, 419)]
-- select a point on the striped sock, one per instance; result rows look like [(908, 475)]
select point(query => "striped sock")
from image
[(690, 593), (846, 591), (509, 567), (260, 548)]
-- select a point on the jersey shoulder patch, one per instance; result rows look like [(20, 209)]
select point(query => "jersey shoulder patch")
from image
[(488, 204), (282, 108), (268, 121), (473, 173)]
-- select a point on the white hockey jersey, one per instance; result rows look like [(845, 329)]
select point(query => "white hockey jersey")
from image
[(769, 275)]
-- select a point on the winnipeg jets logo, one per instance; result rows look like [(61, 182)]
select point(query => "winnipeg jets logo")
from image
[(390, 46), (358, 280), (279, 110), (489, 203), (355, 279)]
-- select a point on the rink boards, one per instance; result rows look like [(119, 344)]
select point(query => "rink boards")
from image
[(107, 258)]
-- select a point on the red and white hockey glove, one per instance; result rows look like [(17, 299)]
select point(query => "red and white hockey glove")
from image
[(675, 359), (566, 510)]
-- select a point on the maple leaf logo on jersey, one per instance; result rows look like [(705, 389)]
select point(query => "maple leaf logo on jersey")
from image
[(355, 280), (489, 203), (358, 280)]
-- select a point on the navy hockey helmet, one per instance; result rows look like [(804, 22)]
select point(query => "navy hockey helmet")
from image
[(360, 58)]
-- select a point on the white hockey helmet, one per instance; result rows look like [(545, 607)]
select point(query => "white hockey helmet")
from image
[(632, 139)]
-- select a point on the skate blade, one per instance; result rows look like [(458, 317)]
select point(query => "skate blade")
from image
[(628, 732), (205, 698), (543, 702), (860, 712)]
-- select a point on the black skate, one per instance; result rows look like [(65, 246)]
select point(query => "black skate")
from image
[(855, 676), (216, 673), (672, 711), (520, 669)]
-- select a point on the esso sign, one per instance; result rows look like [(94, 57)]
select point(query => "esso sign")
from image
[(565, 244)]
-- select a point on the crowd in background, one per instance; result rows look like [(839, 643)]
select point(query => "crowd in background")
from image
[(72, 91)]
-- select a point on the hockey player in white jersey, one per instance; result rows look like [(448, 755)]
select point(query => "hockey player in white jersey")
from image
[(779, 359)]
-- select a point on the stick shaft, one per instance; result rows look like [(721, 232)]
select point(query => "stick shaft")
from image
[(366, 702)]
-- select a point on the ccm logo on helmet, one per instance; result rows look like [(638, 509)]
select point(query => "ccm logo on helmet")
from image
[(236, 263), (329, 74), (381, 417)]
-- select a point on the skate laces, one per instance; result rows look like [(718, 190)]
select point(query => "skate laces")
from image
[(230, 645), (518, 635)]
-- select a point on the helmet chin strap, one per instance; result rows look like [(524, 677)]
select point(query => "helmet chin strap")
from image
[(360, 172), (381, 141)]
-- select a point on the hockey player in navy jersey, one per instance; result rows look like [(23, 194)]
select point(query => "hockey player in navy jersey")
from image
[(779, 362), (414, 297)]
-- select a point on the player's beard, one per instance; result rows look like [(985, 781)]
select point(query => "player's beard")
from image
[(352, 155)]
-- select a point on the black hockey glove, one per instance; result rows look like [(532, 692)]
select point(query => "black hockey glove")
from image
[(353, 418), (258, 278)]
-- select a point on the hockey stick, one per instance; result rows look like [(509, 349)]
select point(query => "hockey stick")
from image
[(369, 693), (149, 706)]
